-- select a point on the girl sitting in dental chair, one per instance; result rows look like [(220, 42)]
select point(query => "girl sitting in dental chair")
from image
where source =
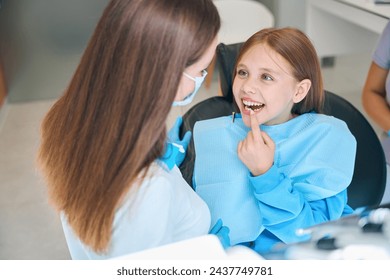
[(279, 164)]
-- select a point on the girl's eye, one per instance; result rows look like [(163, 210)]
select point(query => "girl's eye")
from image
[(242, 73), (267, 77)]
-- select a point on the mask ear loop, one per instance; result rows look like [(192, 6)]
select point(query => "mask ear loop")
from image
[(233, 116)]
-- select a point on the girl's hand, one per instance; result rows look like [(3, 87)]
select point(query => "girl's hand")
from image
[(256, 151)]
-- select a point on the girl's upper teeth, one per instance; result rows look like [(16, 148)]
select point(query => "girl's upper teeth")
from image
[(251, 103)]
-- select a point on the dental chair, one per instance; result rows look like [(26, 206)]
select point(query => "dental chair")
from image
[(369, 178)]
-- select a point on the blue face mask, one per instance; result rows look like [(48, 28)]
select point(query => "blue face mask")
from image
[(198, 82)]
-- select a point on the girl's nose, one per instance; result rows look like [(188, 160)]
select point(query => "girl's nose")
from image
[(249, 87)]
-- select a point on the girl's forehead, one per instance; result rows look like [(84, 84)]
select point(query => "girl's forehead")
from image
[(263, 56)]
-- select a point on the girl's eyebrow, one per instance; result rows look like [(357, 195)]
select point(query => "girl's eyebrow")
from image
[(260, 68), (268, 70)]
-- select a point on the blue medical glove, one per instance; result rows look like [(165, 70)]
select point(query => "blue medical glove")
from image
[(173, 137), (222, 232)]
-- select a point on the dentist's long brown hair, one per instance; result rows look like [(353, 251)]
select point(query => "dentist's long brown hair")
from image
[(109, 126)]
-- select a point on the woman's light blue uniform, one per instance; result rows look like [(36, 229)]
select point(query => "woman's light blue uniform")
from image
[(163, 209), (313, 166)]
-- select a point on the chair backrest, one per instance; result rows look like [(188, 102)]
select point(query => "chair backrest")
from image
[(226, 57), (242, 18), (369, 178)]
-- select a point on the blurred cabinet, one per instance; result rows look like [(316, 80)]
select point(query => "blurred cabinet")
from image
[(339, 27)]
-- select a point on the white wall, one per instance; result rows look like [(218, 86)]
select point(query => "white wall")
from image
[(287, 12)]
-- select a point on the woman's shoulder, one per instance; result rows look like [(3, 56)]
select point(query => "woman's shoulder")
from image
[(158, 174), (151, 184), (162, 181)]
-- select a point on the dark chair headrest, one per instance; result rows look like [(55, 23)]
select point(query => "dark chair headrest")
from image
[(226, 59)]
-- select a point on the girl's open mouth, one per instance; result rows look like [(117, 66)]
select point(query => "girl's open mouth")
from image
[(251, 105)]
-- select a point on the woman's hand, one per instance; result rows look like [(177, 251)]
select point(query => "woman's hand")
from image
[(173, 137), (222, 232), (256, 151)]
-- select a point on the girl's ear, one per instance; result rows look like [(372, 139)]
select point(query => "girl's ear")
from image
[(302, 90)]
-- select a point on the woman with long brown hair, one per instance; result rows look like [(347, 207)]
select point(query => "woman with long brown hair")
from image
[(104, 151)]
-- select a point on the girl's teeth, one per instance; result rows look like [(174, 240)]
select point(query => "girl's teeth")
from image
[(254, 106), (256, 109)]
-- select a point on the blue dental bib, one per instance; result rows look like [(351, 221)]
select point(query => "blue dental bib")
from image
[(222, 180)]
